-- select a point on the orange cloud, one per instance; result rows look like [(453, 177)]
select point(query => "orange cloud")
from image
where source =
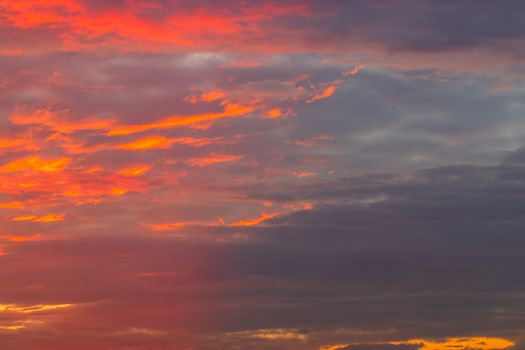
[(19, 239), (274, 113), (77, 26), (253, 222), (167, 227), (135, 170), (272, 334), (481, 343), (32, 308), (35, 163), (230, 110), (36, 218), (149, 142), (466, 343), (323, 94), (12, 205), (11, 143), (209, 96), (163, 142)]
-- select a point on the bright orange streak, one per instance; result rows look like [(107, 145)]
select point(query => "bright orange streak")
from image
[(213, 159), (325, 93), (35, 218), (117, 192), (31, 308), (231, 110), (162, 142), (12, 205), (136, 170), (209, 96), (479, 343), (149, 142), (11, 143), (13, 327), (334, 347), (303, 173), (255, 221), (14, 238), (274, 113), (35, 163), (167, 227)]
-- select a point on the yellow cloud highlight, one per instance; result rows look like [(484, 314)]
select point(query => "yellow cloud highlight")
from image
[(12, 328), (466, 343), (149, 142), (32, 308), (35, 218), (35, 163), (334, 347), (117, 192), (481, 343)]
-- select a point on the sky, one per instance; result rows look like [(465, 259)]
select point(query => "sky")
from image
[(262, 175)]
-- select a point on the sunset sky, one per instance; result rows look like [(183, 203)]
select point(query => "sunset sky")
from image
[(262, 175)]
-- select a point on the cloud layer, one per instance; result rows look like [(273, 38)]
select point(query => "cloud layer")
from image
[(262, 175)]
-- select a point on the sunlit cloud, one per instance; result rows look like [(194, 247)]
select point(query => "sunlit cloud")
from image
[(135, 170), (255, 221), (482, 343), (52, 217), (20, 238), (27, 309), (478, 343), (230, 111), (35, 163)]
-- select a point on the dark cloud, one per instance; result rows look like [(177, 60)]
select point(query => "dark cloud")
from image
[(439, 256), (422, 26)]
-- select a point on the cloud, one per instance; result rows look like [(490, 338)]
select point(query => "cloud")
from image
[(210, 175), (399, 26)]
